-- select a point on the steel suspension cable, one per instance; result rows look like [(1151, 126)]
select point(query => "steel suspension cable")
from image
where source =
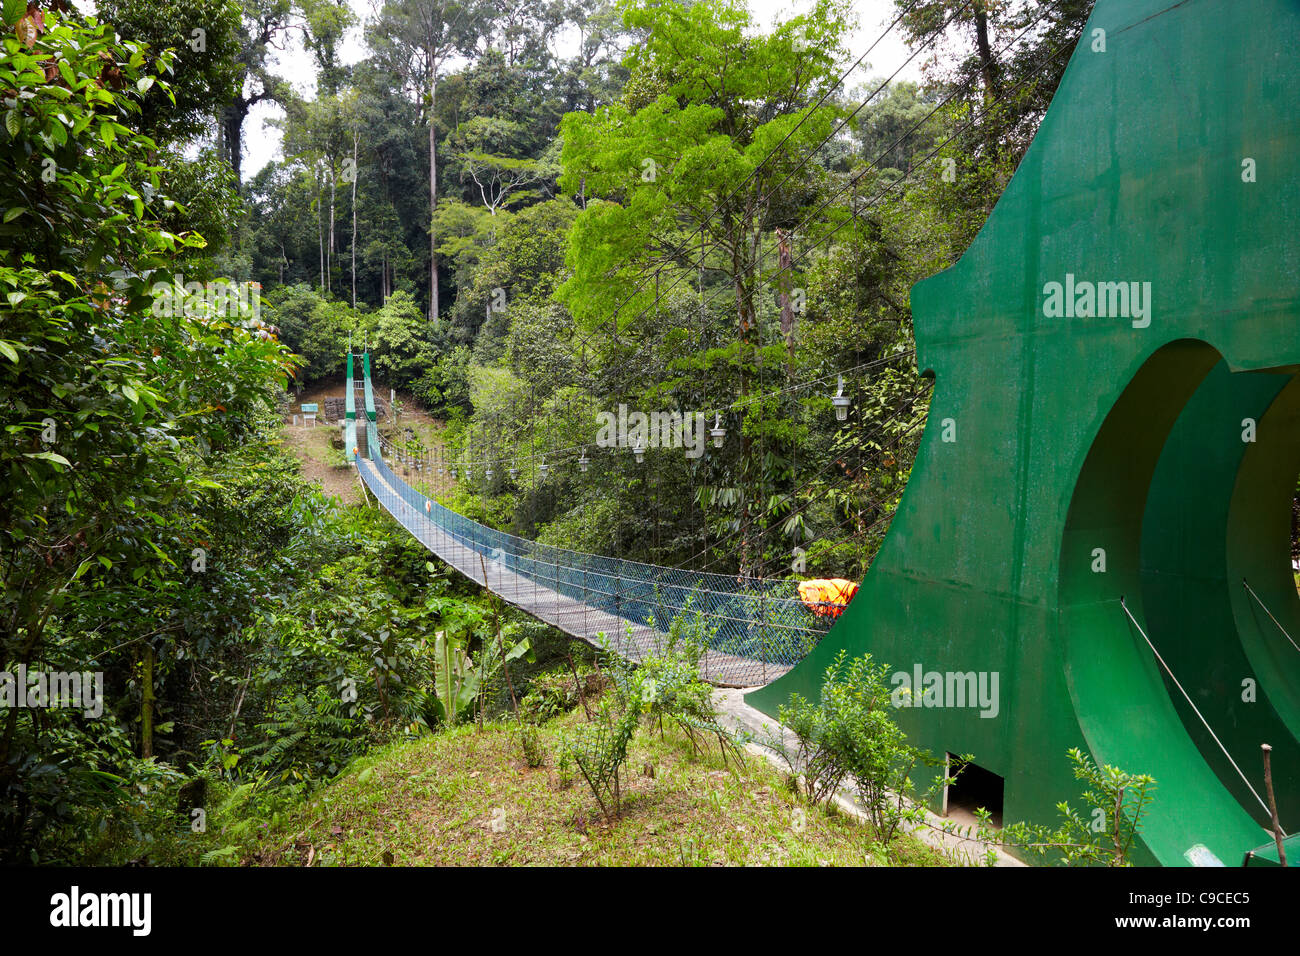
[(1251, 592), (1195, 709)]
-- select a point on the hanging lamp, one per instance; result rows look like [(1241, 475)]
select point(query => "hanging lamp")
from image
[(841, 401), (717, 432)]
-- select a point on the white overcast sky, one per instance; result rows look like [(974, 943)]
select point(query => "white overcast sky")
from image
[(262, 142)]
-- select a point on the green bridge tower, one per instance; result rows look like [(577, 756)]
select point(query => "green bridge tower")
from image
[(1115, 431)]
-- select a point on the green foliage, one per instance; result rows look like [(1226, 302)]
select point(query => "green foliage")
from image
[(305, 738), (445, 384), (530, 743), (456, 682), (197, 78), (113, 406), (850, 734), (559, 691), (663, 166), (313, 328), (401, 347), (598, 749), (481, 149), (671, 688), (664, 686)]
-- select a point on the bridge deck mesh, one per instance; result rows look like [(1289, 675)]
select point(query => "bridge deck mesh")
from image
[(756, 629)]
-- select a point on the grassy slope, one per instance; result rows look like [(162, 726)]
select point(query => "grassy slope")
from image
[(433, 801)]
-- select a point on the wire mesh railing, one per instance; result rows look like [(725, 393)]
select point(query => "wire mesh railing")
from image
[(755, 629), (368, 387)]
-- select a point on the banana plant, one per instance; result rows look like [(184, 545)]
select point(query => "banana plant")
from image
[(456, 681)]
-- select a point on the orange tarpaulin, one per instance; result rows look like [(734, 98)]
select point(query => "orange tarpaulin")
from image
[(827, 596)]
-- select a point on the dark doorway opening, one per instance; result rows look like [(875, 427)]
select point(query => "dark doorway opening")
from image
[(974, 788)]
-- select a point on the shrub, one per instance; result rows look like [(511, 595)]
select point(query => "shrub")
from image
[(664, 686), (851, 734), (530, 742), (599, 748), (557, 692), (671, 688), (810, 758)]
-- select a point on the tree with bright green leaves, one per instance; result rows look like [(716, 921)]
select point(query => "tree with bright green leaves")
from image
[(400, 342), (687, 179)]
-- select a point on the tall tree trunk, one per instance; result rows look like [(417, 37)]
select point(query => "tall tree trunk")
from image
[(355, 174), (988, 65), (433, 192), (329, 255), (320, 236), (146, 704), (232, 134)]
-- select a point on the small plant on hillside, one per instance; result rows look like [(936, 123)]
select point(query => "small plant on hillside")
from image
[(461, 679), (530, 742), (671, 688), (556, 692), (664, 686), (308, 737), (814, 770), (564, 766), (599, 749)]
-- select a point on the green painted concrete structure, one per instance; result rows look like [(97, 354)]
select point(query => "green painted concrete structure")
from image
[(349, 394), (1154, 426), (350, 415)]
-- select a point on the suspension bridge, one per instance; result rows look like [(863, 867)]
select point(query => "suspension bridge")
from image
[(754, 629)]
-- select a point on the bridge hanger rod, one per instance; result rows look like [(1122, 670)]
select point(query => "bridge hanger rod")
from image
[(1251, 592)]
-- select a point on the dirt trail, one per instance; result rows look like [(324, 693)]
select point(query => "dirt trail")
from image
[(319, 448)]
